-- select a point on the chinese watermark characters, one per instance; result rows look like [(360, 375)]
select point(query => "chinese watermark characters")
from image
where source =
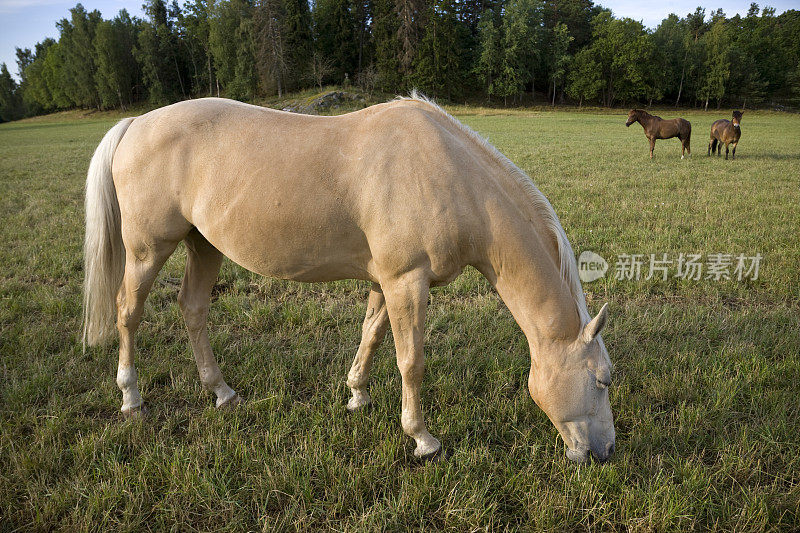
[(663, 266)]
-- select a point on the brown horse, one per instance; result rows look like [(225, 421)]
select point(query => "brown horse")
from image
[(725, 131), (658, 128)]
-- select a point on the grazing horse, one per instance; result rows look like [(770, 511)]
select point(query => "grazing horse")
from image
[(725, 131), (658, 128), (400, 194)]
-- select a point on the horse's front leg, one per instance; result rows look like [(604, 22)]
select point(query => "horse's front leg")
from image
[(727, 149), (733, 155), (376, 322), (407, 302), (652, 146)]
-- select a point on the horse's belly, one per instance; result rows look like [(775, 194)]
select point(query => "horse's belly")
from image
[(301, 247), (303, 265)]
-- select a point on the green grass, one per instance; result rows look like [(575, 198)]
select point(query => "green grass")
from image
[(705, 395)]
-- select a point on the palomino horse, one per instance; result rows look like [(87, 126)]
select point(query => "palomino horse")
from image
[(400, 194), (725, 131), (658, 128)]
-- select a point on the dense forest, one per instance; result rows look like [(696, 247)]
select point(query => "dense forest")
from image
[(499, 50)]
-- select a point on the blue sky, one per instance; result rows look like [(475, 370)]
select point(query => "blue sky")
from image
[(25, 22)]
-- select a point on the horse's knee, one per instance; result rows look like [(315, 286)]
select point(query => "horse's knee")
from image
[(412, 369), (128, 318)]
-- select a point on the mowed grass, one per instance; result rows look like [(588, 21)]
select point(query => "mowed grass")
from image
[(705, 391)]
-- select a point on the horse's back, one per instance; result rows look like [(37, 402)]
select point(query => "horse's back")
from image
[(673, 127), (718, 128), (298, 196)]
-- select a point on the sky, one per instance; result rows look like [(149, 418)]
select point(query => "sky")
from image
[(23, 23)]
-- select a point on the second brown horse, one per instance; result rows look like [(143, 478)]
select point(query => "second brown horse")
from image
[(658, 128), (725, 131)]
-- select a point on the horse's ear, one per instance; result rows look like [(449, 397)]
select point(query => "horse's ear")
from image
[(595, 326)]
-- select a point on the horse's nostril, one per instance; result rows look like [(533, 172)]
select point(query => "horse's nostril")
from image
[(604, 454)]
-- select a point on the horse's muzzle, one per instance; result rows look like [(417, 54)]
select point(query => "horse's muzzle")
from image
[(604, 454), (601, 454), (628, 124)]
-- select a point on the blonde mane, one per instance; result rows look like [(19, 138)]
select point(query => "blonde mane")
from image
[(568, 267)]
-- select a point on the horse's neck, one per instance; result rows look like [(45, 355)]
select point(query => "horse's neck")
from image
[(525, 265)]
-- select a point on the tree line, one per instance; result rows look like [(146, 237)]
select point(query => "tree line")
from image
[(501, 50)]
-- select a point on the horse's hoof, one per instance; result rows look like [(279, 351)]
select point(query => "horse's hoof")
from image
[(231, 402), (355, 404), (428, 451), (432, 457), (135, 413)]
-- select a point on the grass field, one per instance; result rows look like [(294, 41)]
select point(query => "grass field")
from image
[(705, 395)]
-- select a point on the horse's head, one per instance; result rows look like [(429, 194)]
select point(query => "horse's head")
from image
[(570, 384), (633, 116), (737, 118)]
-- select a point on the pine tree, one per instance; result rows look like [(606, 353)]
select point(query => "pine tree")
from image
[(49, 93), (298, 41), (437, 66), (386, 24), (232, 37), (195, 27), (336, 36), (490, 56), (521, 41), (412, 16), (583, 81), (559, 56), (270, 52), (362, 11), (77, 46), (10, 108), (622, 50), (117, 71), (718, 65), (157, 54)]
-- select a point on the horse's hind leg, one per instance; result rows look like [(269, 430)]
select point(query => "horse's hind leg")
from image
[(203, 262), (141, 268), (373, 331)]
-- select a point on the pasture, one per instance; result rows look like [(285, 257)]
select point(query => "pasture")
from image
[(705, 392)]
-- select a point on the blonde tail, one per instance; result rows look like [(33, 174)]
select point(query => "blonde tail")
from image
[(104, 254)]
